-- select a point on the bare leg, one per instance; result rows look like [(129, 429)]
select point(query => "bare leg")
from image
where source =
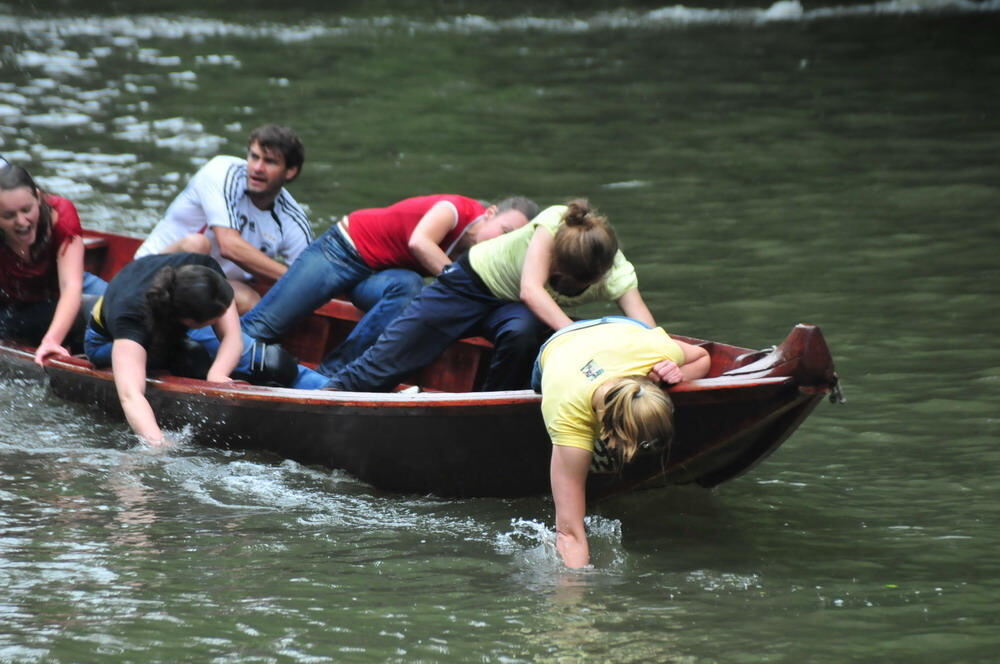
[(196, 243), (246, 297)]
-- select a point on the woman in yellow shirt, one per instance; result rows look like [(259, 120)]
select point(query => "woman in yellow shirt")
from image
[(602, 404)]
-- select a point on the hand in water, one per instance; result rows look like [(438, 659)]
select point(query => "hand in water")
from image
[(164, 442)]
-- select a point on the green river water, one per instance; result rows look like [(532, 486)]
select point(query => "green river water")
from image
[(763, 165)]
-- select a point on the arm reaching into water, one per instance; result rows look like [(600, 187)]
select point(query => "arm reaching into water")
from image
[(128, 364), (568, 475)]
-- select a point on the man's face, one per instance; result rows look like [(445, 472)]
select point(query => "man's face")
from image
[(266, 170), (499, 224)]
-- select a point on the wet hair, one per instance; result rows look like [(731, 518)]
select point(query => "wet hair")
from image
[(637, 417), (14, 177), (193, 292), (585, 245), (525, 206), (282, 139)]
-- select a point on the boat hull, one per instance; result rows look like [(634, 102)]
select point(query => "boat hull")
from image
[(450, 440)]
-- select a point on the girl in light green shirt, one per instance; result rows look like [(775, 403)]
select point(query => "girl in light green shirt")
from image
[(512, 290)]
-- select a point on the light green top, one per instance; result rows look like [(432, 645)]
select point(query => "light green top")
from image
[(499, 262)]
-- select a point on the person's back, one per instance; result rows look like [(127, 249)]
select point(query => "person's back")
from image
[(382, 235)]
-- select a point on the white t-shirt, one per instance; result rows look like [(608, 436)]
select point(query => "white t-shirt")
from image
[(216, 196)]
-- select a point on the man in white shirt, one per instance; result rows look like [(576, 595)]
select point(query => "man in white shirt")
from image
[(240, 212)]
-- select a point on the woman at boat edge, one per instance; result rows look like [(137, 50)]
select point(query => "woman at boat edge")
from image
[(143, 320), (510, 289), (42, 281), (602, 406)]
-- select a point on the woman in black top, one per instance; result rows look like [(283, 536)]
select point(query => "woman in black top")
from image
[(143, 319)]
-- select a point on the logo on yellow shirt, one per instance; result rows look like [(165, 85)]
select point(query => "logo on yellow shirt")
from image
[(591, 371)]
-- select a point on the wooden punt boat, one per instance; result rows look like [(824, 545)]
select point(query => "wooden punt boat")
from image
[(451, 441)]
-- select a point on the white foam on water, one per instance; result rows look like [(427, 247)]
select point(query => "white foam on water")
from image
[(306, 494), (12, 97), (126, 31), (186, 80), (16, 156), (55, 63), (64, 186), (57, 120), (723, 582), (151, 56), (626, 184), (219, 60), (533, 544), (179, 134)]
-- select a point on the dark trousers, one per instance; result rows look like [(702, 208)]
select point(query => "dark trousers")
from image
[(28, 323), (454, 306)]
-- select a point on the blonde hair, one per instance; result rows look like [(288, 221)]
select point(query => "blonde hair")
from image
[(637, 415), (585, 245)]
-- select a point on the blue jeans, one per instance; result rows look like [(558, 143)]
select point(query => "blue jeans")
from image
[(536, 371), (93, 284), (98, 349), (330, 266), (452, 307)]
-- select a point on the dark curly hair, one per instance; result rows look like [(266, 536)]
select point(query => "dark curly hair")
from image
[(192, 292)]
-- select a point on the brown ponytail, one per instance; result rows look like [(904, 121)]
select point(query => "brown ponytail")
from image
[(192, 292), (585, 245)]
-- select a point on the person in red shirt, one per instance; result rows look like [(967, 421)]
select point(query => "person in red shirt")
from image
[(378, 257), (42, 281)]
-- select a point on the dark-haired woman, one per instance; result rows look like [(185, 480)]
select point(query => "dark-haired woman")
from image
[(512, 290), (143, 321), (42, 281), (602, 406)]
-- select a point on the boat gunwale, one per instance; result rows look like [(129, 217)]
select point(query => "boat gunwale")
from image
[(247, 392)]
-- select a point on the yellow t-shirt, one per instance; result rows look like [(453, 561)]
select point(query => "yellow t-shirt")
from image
[(574, 364), (499, 261)]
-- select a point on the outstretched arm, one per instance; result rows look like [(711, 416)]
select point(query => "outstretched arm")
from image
[(128, 364), (69, 265), (568, 475), (233, 247), (534, 276), (227, 329)]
